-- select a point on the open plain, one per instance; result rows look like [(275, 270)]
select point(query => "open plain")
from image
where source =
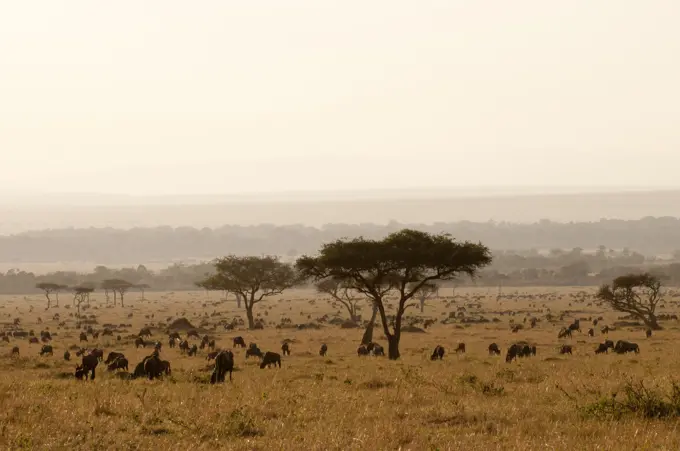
[(467, 401)]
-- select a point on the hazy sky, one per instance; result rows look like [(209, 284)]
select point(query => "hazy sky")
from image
[(217, 96)]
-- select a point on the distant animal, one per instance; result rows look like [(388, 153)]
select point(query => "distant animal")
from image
[(145, 332), (623, 347), (175, 335), (564, 332), (33, 340), (83, 336), (151, 366), (494, 349), (193, 334), (98, 353), (270, 358), (172, 342), (323, 350), (46, 349), (45, 335), (513, 352), (15, 351), (576, 325), (438, 353), (121, 363), (239, 342), (67, 355), (5, 338), (211, 345), (362, 350), (565, 349), (595, 321), (591, 332), (113, 356), (253, 351), (224, 362), (139, 341), (158, 346), (212, 355), (193, 351), (648, 332), (605, 330), (183, 346), (375, 349), (460, 348), (285, 349), (602, 348), (165, 367), (89, 365)]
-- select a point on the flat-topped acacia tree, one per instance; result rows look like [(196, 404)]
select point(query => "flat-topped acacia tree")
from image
[(252, 278), (399, 265)]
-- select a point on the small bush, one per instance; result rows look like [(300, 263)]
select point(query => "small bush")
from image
[(637, 400)]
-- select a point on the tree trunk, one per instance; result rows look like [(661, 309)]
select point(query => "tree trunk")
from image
[(651, 322), (115, 297), (48, 301), (249, 314), (122, 303), (422, 305), (238, 301), (393, 346), (57, 298), (368, 333)]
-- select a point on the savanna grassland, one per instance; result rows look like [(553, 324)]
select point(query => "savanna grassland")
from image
[(469, 401)]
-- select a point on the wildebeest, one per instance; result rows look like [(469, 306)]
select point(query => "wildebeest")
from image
[(33, 340), (239, 342), (121, 363), (98, 353), (211, 345), (67, 355), (44, 334), (183, 346), (362, 350), (193, 334), (323, 350), (566, 349), (158, 346), (5, 338), (172, 342), (139, 341), (15, 351), (145, 332), (648, 332), (165, 367), (605, 330), (375, 349), (513, 352), (83, 336), (494, 349), (576, 325), (604, 347), (460, 348), (224, 362), (253, 351), (564, 332), (623, 347), (270, 358), (591, 332), (193, 351), (175, 335), (113, 356), (46, 349), (285, 349), (438, 353), (151, 366), (212, 355), (89, 364)]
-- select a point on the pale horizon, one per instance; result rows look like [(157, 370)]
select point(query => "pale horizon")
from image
[(219, 97)]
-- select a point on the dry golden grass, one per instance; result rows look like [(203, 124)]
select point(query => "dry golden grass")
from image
[(340, 402)]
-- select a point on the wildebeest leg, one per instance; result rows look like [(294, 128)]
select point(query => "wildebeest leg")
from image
[(92, 375)]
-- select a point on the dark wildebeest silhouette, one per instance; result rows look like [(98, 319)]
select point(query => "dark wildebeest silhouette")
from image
[(605, 330), (193, 334), (44, 334), (323, 350), (175, 335), (212, 355), (145, 332), (591, 332), (193, 351), (253, 351), (139, 341), (158, 346), (151, 366), (89, 364), (438, 353), (165, 367), (604, 347), (270, 358), (285, 349), (648, 332), (623, 347), (5, 338), (46, 349), (595, 321), (566, 349), (224, 362), (375, 349), (67, 355), (172, 342), (494, 349), (98, 353), (362, 350), (121, 363), (113, 356), (239, 342), (211, 345), (183, 346), (33, 340), (15, 351), (576, 325), (513, 352), (460, 348), (564, 332), (83, 336)]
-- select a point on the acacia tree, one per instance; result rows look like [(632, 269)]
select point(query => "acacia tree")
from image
[(80, 295), (400, 265), (252, 278), (342, 292), (426, 292), (635, 294), (119, 287), (50, 288)]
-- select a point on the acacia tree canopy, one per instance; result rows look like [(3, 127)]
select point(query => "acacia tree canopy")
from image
[(253, 278), (402, 263), (341, 292), (635, 294)]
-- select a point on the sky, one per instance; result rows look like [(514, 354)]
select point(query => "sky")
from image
[(174, 97)]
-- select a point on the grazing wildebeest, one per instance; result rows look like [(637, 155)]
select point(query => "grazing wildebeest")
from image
[(212, 355), (595, 321), (98, 353), (602, 348), (623, 347), (33, 340), (145, 332), (494, 349), (460, 348), (564, 332), (565, 349), (438, 353), (67, 355), (605, 330), (270, 358), (172, 342), (45, 335), (139, 341), (151, 366), (113, 356), (609, 344), (224, 362), (193, 351), (83, 336), (285, 349), (15, 351), (323, 350), (253, 351), (89, 364), (121, 363), (648, 332), (211, 345), (5, 338), (239, 342), (165, 367), (375, 349), (183, 346), (576, 325), (193, 334), (175, 335), (591, 332), (513, 352), (46, 349), (362, 350)]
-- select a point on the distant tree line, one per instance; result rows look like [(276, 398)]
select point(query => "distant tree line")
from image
[(649, 236)]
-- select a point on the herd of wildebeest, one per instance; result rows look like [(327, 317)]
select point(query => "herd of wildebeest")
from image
[(153, 366)]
